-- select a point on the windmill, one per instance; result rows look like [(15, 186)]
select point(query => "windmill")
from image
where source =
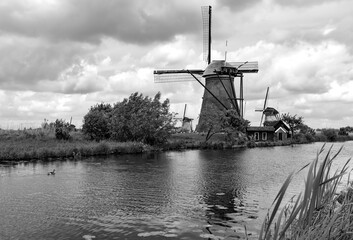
[(186, 122), (270, 113), (219, 91)]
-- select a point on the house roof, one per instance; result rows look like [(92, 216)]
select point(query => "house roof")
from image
[(260, 129)]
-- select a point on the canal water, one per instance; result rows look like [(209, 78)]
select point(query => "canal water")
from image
[(196, 194)]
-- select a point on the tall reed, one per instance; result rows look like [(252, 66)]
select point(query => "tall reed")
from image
[(316, 213)]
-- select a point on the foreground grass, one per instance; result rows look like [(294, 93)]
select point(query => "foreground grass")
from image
[(318, 212), (41, 144)]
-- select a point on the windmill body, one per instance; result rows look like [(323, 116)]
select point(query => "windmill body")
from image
[(219, 85)]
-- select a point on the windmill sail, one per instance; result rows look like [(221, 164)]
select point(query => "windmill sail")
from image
[(163, 76), (206, 25), (246, 67)]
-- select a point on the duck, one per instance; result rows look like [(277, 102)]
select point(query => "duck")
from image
[(52, 172)]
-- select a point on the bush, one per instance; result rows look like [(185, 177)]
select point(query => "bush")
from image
[(96, 121), (330, 134), (62, 129), (140, 118)]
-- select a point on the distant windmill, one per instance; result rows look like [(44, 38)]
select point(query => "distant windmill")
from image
[(186, 122), (271, 114), (219, 91)]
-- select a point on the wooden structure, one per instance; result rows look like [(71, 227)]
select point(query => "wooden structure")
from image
[(261, 134), (219, 91), (277, 131)]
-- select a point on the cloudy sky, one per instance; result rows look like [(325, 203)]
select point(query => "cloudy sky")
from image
[(59, 57)]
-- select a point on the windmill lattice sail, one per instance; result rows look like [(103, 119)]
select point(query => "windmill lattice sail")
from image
[(164, 76), (206, 26)]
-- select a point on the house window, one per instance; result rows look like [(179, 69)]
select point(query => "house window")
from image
[(264, 136), (257, 136)]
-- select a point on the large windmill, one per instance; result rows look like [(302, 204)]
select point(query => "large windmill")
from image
[(219, 91), (271, 114)]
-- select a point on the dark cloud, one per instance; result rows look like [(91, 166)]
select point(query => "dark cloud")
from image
[(24, 62), (303, 3), (131, 21), (237, 5)]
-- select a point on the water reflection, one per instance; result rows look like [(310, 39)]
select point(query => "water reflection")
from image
[(189, 195)]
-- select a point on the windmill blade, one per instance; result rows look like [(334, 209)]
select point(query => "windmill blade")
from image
[(184, 111), (163, 76), (262, 117), (206, 24), (246, 67), (265, 103)]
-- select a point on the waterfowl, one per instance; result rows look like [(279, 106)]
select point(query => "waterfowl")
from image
[(52, 172)]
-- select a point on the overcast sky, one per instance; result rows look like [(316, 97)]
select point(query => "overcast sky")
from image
[(59, 57)]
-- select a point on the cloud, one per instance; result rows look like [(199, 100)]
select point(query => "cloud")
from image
[(237, 5), (303, 78), (25, 61), (137, 22), (303, 3)]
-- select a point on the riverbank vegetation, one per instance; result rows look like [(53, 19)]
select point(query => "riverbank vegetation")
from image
[(32, 144), (140, 123), (316, 213)]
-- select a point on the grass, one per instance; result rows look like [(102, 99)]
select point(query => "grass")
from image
[(318, 212), (41, 144)]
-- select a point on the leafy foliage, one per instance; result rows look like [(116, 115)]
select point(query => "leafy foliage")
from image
[(345, 130), (140, 118), (331, 134), (96, 122), (228, 122), (62, 129), (293, 122)]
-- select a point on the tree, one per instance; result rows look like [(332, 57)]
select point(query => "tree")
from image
[(305, 129), (140, 118), (96, 122), (227, 121), (331, 134), (293, 122), (343, 131)]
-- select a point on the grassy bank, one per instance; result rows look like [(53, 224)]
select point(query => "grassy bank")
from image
[(34, 144), (41, 144)]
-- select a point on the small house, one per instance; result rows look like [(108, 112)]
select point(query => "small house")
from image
[(276, 131), (261, 134)]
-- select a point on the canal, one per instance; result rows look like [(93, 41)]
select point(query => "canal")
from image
[(195, 194)]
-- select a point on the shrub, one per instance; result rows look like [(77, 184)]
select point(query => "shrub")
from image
[(62, 129), (96, 121), (330, 134), (140, 118)]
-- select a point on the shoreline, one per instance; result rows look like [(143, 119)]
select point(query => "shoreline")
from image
[(48, 148)]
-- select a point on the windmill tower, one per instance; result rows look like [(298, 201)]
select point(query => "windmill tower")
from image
[(219, 91), (271, 114)]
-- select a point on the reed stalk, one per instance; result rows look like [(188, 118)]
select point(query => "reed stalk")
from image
[(318, 212)]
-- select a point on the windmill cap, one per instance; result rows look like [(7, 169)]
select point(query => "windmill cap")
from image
[(271, 110), (220, 67)]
